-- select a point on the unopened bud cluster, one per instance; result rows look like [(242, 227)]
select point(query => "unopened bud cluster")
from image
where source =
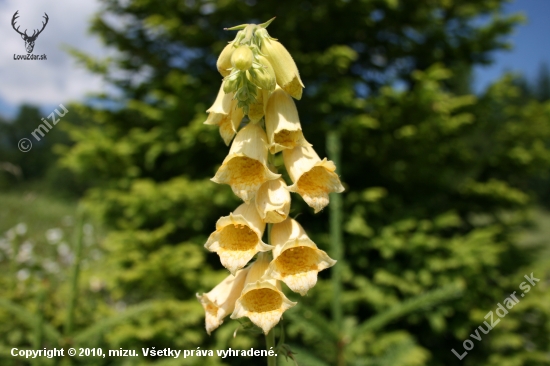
[(260, 80)]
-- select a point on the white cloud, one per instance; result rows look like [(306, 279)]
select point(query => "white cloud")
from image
[(59, 79)]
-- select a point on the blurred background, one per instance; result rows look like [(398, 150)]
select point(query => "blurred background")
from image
[(442, 111)]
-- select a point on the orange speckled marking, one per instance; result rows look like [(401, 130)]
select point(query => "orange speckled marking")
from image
[(211, 309), (315, 182), (245, 172), (296, 260), (262, 300), (238, 238), (287, 138)]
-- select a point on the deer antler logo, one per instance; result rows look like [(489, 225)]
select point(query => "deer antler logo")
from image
[(29, 40)]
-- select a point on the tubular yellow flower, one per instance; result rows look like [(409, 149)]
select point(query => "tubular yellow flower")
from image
[(286, 72), (282, 123), (238, 237), (245, 167), (224, 60), (313, 178), (225, 114), (273, 201), (262, 300), (220, 301), (296, 259)]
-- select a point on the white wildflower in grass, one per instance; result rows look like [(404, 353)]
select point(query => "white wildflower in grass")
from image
[(23, 274), (21, 229), (11, 234), (54, 235), (25, 252)]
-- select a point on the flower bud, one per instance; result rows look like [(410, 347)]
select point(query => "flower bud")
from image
[(243, 94), (256, 109), (230, 84), (224, 60), (285, 69), (242, 58), (263, 77), (273, 201)]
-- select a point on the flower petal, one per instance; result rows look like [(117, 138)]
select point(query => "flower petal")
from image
[(238, 237), (296, 259), (313, 178), (220, 301), (273, 201), (282, 123), (262, 300), (245, 167)]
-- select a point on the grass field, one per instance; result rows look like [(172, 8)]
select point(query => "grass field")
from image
[(38, 212)]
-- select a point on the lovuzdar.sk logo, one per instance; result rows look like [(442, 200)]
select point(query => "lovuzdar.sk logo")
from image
[(29, 40)]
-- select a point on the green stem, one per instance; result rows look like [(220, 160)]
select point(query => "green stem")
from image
[(13, 262), (76, 272), (39, 330), (269, 233), (270, 337), (270, 345), (334, 146)]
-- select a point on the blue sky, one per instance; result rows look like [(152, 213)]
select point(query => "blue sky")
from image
[(60, 80), (531, 43)]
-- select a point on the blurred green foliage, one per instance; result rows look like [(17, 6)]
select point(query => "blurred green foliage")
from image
[(439, 182)]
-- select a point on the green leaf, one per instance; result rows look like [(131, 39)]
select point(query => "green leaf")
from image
[(411, 305), (87, 335), (31, 319)]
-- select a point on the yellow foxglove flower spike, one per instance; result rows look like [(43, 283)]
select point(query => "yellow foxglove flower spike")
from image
[(273, 201), (282, 123), (224, 60), (220, 301), (296, 258), (313, 178), (262, 300), (238, 237), (245, 167), (225, 114), (286, 72)]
